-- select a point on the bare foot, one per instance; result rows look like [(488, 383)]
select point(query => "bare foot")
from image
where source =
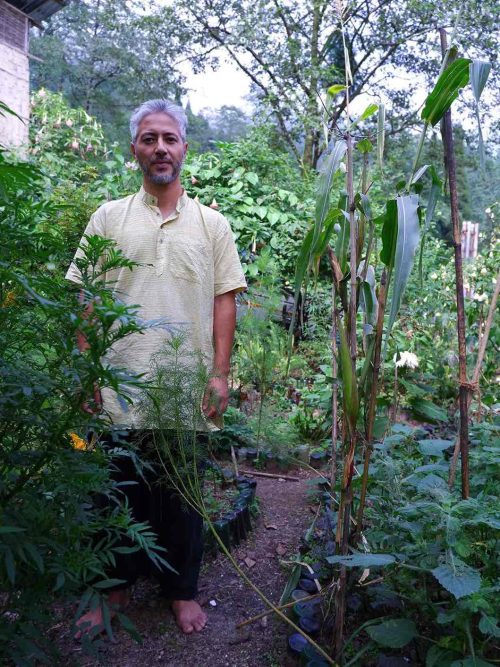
[(92, 622), (189, 616)]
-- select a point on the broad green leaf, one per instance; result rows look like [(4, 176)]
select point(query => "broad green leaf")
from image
[(362, 560), (489, 626), (408, 235), (395, 633), (349, 385), (364, 146), (470, 661), (389, 233), (381, 135), (434, 447), (129, 627), (430, 483), (439, 657), (479, 73), (336, 89), (252, 177), (458, 578), (446, 90), (434, 192), (319, 249), (427, 410)]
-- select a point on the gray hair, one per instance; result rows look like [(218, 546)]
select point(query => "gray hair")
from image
[(175, 112)]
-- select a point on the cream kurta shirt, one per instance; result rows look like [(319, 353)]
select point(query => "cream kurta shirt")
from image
[(185, 261)]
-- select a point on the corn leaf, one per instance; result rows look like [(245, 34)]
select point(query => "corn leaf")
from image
[(446, 90), (408, 234), (368, 301), (381, 135), (479, 73), (389, 233), (348, 377), (330, 166), (434, 192)]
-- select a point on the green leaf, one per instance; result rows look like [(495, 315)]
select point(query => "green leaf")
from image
[(369, 302), (251, 177), (431, 483), (395, 633), (10, 566), (408, 235), (434, 447), (479, 73), (419, 173), (389, 233), (362, 560), (381, 135), (434, 192), (446, 90), (438, 656), (291, 584), (364, 146), (470, 661), (109, 583), (349, 384), (369, 111), (489, 626), (11, 529), (335, 89), (427, 410), (129, 627), (330, 166), (459, 579)]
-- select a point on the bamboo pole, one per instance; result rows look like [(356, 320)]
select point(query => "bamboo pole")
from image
[(447, 135)]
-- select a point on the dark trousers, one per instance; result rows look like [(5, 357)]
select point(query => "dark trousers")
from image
[(178, 527)]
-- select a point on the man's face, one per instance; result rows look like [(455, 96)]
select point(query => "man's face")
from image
[(159, 148)]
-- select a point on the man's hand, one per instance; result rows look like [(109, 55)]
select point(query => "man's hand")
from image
[(93, 406), (216, 397)]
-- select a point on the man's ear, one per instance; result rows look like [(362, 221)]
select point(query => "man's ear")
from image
[(132, 149), (186, 147)]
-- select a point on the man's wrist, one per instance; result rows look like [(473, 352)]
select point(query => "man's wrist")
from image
[(221, 375)]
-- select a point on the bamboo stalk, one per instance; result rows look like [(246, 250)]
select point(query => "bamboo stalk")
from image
[(447, 134), (335, 391)]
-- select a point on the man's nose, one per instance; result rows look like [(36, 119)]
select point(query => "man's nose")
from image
[(161, 147)]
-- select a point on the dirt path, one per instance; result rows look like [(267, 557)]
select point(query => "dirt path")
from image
[(283, 509)]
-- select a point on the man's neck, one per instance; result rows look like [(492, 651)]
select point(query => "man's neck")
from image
[(167, 195)]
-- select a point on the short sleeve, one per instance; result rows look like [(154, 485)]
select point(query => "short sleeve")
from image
[(95, 227), (228, 272)]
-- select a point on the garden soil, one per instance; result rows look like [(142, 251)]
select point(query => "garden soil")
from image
[(227, 600)]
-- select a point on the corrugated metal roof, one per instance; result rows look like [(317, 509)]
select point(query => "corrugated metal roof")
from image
[(38, 10)]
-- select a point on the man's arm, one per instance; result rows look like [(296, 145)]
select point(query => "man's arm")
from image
[(217, 393)]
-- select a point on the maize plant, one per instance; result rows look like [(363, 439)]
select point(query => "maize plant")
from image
[(366, 301)]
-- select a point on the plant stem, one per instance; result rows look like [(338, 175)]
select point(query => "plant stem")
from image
[(335, 391), (447, 134), (373, 396)]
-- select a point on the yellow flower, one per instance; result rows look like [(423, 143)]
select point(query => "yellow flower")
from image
[(78, 443), (10, 298)]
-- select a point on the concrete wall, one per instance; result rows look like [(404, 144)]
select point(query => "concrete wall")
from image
[(14, 91)]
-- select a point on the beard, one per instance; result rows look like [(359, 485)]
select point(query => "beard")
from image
[(161, 179)]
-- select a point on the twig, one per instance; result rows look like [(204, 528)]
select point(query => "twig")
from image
[(283, 606), (288, 478)]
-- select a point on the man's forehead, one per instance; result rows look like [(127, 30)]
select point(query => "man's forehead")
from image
[(159, 123)]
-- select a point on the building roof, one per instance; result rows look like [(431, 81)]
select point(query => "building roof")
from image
[(38, 10)]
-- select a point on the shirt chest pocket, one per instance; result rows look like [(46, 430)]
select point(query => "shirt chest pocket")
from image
[(188, 260)]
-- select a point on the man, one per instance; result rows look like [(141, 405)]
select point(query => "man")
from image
[(188, 274)]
